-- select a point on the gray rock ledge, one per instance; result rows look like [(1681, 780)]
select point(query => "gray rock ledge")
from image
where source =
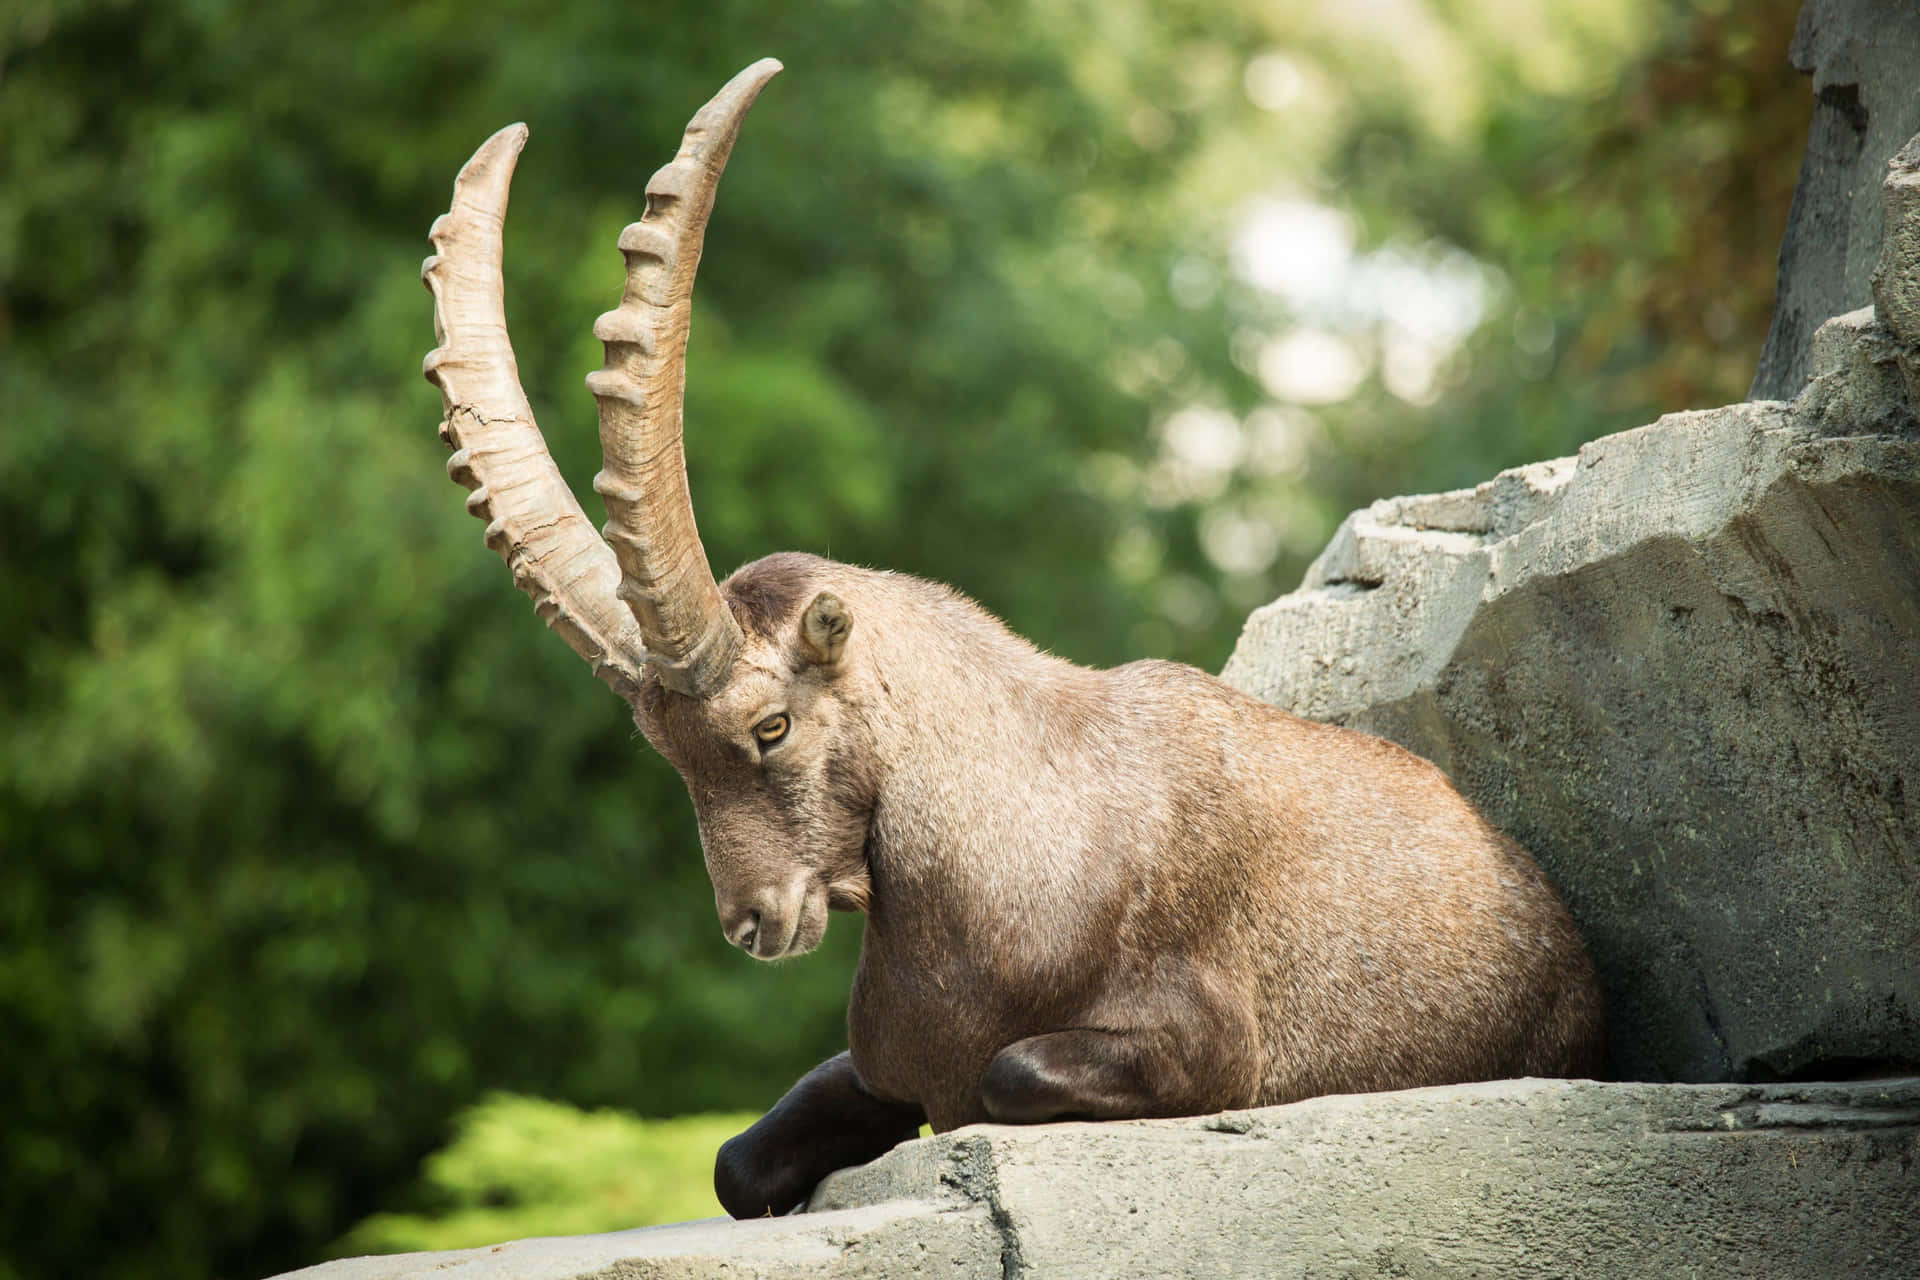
[(1514, 1178), (1683, 669)]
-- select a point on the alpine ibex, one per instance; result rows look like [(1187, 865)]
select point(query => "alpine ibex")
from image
[(1096, 894)]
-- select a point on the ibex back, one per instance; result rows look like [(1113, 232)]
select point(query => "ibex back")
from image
[(1095, 894)]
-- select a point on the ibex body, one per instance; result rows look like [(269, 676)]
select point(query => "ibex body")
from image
[(1097, 894)]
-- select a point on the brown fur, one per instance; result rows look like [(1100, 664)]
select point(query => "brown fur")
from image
[(1247, 907), (1088, 893)]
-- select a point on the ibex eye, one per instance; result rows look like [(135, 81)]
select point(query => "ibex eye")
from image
[(771, 730)]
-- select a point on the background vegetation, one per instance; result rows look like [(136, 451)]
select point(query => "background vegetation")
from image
[(1103, 310)]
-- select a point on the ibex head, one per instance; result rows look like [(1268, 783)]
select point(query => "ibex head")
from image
[(778, 761), (749, 718)]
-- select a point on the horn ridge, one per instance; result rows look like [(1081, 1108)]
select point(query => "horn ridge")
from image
[(665, 579), (532, 518)]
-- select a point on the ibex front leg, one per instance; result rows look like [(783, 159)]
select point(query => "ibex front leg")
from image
[(827, 1121)]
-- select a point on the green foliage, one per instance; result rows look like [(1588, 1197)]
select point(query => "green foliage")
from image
[(1633, 211), (312, 834), (521, 1167), (310, 837)]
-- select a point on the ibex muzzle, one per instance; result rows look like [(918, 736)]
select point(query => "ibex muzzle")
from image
[(1096, 894)]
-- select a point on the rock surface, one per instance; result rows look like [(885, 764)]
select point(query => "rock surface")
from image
[(900, 1237), (1683, 668), (1517, 1178), (1894, 298), (1861, 55)]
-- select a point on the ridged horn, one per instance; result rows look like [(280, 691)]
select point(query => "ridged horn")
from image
[(533, 520), (690, 634)]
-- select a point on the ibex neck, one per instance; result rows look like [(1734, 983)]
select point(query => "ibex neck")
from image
[(983, 744)]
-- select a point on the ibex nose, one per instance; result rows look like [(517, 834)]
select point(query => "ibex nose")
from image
[(744, 934)]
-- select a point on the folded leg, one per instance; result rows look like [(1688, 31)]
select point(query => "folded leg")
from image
[(827, 1121), (1085, 1074)]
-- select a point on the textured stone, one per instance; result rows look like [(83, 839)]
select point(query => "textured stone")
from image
[(1517, 1178), (892, 1237), (1896, 277), (1896, 280), (1683, 669), (1859, 385), (1861, 55)]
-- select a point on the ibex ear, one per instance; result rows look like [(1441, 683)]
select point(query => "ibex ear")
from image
[(824, 628)]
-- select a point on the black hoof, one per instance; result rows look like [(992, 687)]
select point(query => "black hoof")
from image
[(748, 1191)]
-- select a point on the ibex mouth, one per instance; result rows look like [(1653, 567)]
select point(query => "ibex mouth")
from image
[(782, 935)]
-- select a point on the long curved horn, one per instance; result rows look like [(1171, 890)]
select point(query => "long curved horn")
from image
[(690, 634), (533, 520)]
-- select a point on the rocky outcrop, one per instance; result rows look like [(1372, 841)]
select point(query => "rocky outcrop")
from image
[(1518, 1178), (1683, 668), (1861, 55)]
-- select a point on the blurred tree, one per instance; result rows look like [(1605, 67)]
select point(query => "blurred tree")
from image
[(1601, 187), (294, 869), (311, 836)]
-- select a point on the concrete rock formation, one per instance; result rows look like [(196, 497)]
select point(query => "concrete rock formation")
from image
[(1683, 669), (1861, 55), (1517, 1178)]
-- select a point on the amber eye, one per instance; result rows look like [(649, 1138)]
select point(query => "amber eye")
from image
[(771, 730)]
